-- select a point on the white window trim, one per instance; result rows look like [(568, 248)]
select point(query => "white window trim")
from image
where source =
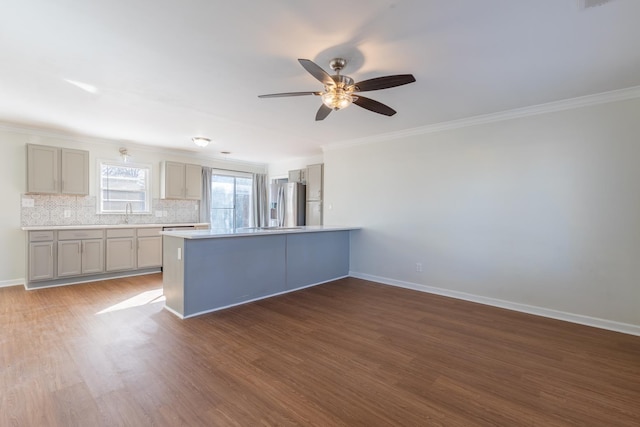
[(147, 166), (237, 174)]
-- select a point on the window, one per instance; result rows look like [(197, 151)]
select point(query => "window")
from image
[(230, 201), (121, 185)]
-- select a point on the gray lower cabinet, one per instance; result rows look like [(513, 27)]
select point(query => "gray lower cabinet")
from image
[(80, 252), (149, 247), (77, 257), (121, 249), (69, 258), (40, 260), (92, 256), (65, 256)]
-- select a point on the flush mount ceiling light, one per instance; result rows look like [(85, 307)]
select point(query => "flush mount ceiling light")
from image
[(201, 141)]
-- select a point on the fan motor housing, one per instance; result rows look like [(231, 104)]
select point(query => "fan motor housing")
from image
[(342, 81)]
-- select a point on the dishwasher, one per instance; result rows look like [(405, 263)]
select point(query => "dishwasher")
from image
[(170, 227)]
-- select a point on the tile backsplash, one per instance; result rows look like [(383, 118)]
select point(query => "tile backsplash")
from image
[(82, 210)]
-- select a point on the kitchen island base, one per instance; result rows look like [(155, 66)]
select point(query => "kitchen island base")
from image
[(202, 275)]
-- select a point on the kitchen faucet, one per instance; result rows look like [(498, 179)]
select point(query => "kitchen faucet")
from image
[(128, 210)]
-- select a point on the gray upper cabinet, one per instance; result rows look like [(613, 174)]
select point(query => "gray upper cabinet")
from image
[(57, 170), (314, 182), (298, 175), (43, 163), (74, 171), (193, 182), (180, 181)]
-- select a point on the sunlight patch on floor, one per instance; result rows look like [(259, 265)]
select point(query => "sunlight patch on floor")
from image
[(148, 297)]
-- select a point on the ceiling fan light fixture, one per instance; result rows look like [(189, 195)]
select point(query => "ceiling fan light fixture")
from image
[(337, 98), (339, 89), (201, 141)]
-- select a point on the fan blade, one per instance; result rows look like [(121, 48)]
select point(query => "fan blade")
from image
[(317, 72), (375, 106), (323, 112), (384, 82), (279, 95)]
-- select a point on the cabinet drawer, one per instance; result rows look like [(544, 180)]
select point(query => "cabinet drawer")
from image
[(79, 234), (149, 232), (40, 236), (121, 232)]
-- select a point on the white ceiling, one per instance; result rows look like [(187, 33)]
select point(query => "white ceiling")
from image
[(166, 70)]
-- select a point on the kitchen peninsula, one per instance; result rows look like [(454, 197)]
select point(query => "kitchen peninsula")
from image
[(208, 270)]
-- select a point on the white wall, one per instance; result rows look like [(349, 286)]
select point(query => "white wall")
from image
[(541, 211), (13, 159), (13, 175), (281, 169)]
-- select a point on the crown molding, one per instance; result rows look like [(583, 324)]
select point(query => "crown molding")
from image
[(551, 107), (69, 136)]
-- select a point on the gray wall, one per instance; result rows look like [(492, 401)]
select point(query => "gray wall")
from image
[(540, 212)]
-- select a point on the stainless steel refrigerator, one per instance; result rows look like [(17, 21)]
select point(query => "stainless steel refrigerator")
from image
[(287, 203)]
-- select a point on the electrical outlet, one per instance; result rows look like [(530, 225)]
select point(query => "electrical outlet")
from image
[(158, 214), (28, 203), (67, 213), (419, 267)]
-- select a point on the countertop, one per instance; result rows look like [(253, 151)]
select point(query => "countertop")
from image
[(103, 226), (253, 231)]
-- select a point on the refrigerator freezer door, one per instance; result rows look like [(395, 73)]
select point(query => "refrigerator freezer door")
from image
[(294, 205)]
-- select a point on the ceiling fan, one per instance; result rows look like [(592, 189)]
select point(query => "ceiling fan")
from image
[(340, 91)]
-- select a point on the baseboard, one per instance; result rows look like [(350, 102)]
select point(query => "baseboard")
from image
[(172, 311), (78, 280), (610, 325), (8, 283)]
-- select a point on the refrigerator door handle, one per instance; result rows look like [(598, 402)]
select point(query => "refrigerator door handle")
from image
[(280, 206)]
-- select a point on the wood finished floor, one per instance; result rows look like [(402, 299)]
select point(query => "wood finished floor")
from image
[(346, 353)]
